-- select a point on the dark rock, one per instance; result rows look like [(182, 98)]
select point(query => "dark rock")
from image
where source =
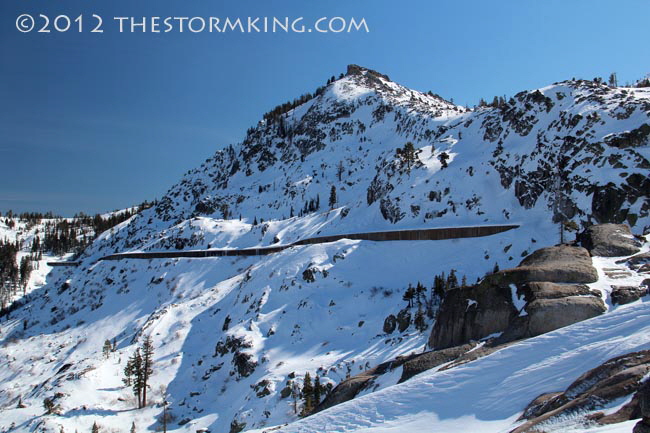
[(472, 313), (244, 363), (345, 391), (609, 240), (403, 320), (642, 427), (390, 323), (429, 360), (559, 264), (607, 204), (622, 295)]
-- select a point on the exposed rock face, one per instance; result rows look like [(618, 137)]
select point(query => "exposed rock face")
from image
[(349, 388), (619, 377), (559, 264), (637, 261), (432, 359), (545, 315), (643, 426), (471, 313), (545, 290), (609, 240), (551, 281), (622, 295)]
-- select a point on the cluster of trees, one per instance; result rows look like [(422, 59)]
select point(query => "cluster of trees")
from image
[(311, 394), (58, 236), (13, 275), (407, 156), (427, 301)]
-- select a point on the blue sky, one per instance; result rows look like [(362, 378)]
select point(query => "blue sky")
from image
[(94, 122)]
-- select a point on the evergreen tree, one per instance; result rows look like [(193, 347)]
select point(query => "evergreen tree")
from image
[(613, 80), (95, 428), (407, 155), (332, 200), (420, 293), (147, 366), (420, 321), (443, 157), (340, 169), (295, 393), (307, 395), (133, 372), (452, 281), (107, 349), (318, 390), (133, 430), (408, 296)]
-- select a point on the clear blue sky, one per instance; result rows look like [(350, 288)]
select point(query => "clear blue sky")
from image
[(94, 122)]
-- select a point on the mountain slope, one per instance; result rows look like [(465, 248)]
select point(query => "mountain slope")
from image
[(231, 334)]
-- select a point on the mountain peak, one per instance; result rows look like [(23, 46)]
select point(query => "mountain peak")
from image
[(360, 70)]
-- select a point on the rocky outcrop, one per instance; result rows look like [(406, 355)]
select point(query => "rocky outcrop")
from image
[(351, 387), (622, 295), (545, 290), (472, 313), (637, 261), (643, 426), (617, 378), (609, 240), (551, 283), (545, 315), (433, 359), (559, 264)]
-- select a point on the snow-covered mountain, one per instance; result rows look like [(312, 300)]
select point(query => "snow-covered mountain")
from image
[(233, 334)]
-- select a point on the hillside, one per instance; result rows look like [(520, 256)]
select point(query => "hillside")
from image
[(232, 335)]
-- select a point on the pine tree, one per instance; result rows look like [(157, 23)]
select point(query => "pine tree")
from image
[(133, 372), (613, 80), (408, 296), (420, 322), (107, 349), (307, 395), (452, 281), (133, 430), (95, 428), (420, 292), (295, 393), (443, 157), (332, 200), (407, 155), (340, 169), (318, 390), (147, 366)]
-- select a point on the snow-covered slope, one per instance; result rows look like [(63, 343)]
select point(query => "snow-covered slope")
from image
[(231, 333)]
